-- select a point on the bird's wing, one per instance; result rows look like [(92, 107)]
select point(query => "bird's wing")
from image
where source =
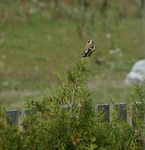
[(86, 50)]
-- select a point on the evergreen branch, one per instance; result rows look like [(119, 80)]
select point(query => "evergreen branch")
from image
[(76, 83), (71, 107)]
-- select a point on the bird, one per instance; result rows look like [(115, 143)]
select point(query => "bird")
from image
[(89, 48)]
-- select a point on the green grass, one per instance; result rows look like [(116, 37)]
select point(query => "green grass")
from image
[(30, 53)]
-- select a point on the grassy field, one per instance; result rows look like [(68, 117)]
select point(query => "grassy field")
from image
[(30, 54)]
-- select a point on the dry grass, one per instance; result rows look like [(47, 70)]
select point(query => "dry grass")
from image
[(107, 87)]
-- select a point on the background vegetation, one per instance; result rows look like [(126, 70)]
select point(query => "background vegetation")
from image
[(38, 37)]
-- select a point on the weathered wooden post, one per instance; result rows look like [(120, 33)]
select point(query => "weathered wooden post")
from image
[(137, 115), (121, 109), (105, 110), (13, 116)]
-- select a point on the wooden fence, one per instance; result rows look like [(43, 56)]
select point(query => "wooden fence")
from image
[(122, 109)]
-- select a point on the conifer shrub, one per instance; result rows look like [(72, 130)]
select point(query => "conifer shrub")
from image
[(67, 120), (63, 119)]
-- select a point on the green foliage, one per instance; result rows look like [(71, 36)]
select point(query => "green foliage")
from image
[(66, 119), (10, 136), (65, 116)]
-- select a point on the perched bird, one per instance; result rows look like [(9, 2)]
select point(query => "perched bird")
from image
[(89, 48)]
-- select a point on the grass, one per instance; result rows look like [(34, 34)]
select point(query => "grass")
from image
[(30, 53)]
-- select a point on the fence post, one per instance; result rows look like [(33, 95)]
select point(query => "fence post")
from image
[(105, 109), (137, 109), (121, 109), (13, 115)]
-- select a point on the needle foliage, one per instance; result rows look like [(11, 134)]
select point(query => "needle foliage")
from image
[(67, 120)]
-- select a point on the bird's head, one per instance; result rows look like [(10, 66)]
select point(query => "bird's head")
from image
[(90, 41)]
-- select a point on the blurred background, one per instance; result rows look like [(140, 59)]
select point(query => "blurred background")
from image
[(39, 36)]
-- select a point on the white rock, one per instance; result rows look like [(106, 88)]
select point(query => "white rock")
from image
[(137, 74)]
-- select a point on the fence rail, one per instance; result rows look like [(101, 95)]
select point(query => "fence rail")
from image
[(106, 109)]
